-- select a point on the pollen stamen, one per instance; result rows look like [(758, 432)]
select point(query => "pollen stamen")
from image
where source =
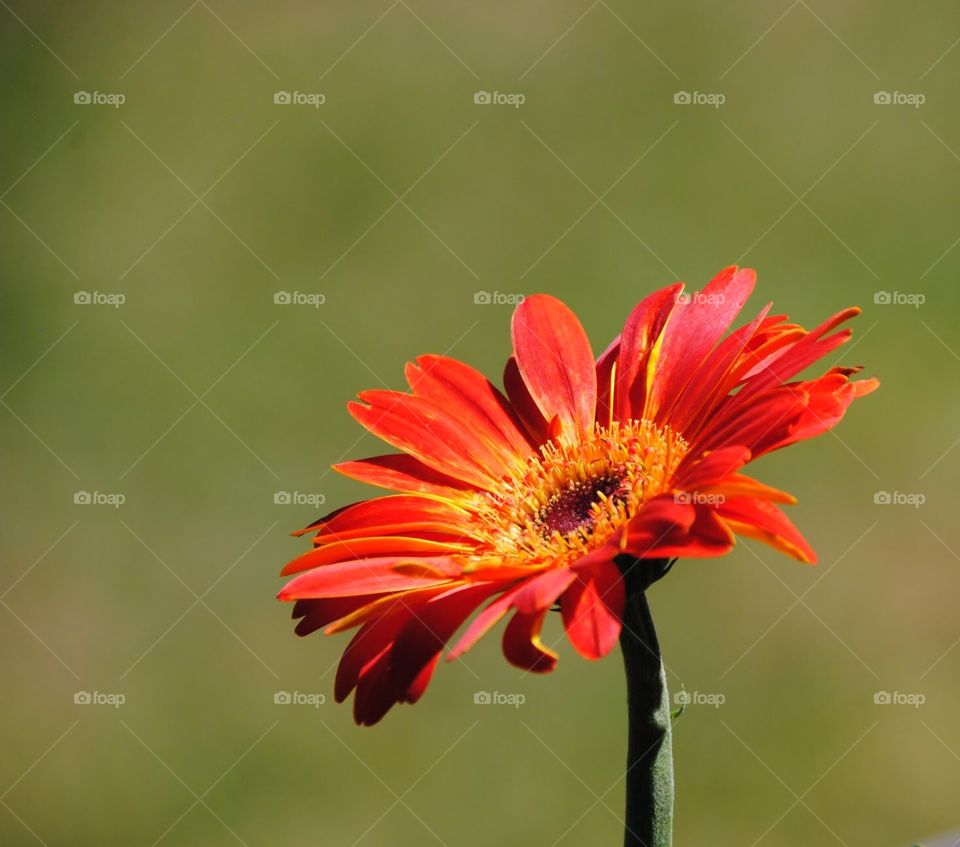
[(572, 496)]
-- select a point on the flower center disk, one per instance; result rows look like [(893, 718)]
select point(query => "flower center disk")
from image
[(572, 496), (572, 509)]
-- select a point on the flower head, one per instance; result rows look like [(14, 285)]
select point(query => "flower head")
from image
[(521, 500)]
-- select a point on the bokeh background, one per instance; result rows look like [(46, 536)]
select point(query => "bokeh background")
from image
[(395, 202)]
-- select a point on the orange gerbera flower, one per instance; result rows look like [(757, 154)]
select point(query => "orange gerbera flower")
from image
[(533, 497)]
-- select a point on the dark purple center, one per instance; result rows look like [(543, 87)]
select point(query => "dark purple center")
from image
[(570, 510)]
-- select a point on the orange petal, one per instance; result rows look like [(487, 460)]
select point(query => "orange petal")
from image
[(740, 485), (765, 522)]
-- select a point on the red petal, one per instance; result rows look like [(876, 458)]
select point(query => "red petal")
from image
[(714, 380), (541, 591), (401, 472), (711, 467), (423, 638), (423, 429), (821, 404), (360, 548), (399, 514), (638, 342), (751, 423), (694, 327), (380, 605), (789, 362), (592, 610), (372, 699), (523, 403), (697, 534), (522, 646), (739, 485), (785, 415), (485, 621), (606, 377), (468, 396), (351, 579), (409, 642), (371, 642), (663, 513), (419, 685), (315, 614), (555, 359)]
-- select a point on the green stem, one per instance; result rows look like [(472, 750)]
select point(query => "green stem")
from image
[(649, 808)]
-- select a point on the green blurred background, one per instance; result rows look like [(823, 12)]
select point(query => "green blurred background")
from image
[(398, 199)]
